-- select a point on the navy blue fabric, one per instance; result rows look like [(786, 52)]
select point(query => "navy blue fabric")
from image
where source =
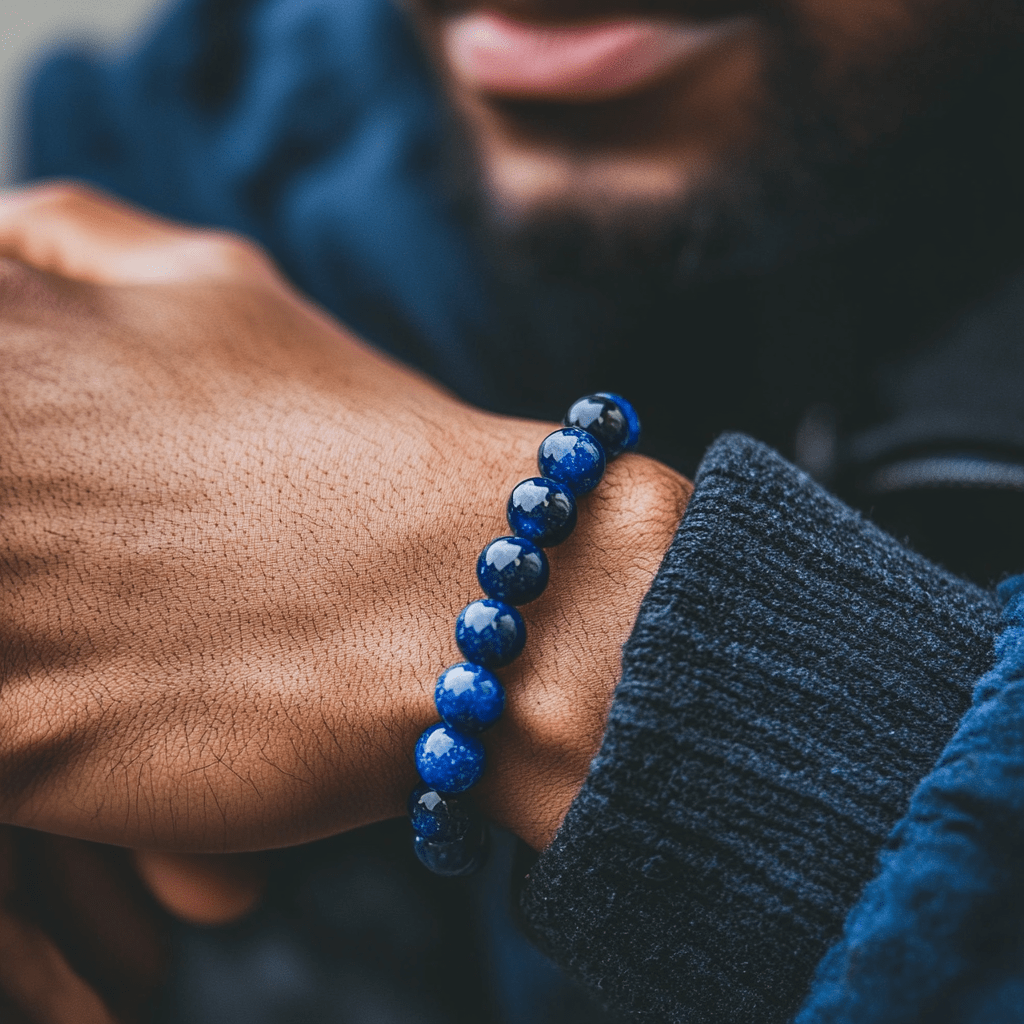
[(312, 127), (939, 934)]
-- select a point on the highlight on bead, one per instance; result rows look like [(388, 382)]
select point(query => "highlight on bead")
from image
[(602, 417), (572, 457), (440, 816), (448, 760), (542, 510), (469, 698), (512, 569), (632, 419), (490, 633)]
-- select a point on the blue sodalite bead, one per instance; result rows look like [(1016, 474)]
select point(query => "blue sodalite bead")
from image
[(631, 417), (448, 760), (543, 511), (462, 856), (440, 816), (490, 633), (469, 698), (572, 457), (611, 419), (512, 569)]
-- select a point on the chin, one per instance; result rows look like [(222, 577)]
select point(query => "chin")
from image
[(523, 184)]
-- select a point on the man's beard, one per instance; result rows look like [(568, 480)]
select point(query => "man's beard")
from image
[(783, 282), (845, 161)]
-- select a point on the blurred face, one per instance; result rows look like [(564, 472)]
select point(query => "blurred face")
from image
[(614, 110)]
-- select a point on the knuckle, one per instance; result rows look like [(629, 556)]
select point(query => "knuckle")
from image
[(61, 196), (232, 253)]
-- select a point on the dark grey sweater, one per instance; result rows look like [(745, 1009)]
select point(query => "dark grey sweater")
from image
[(794, 673)]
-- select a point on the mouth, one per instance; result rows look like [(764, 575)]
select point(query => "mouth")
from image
[(490, 53)]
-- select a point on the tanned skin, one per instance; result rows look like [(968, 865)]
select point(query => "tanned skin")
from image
[(226, 602)]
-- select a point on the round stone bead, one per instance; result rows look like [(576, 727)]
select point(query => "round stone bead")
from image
[(490, 633), (439, 816), (457, 858), (631, 417), (449, 761), (512, 569), (604, 417), (543, 511), (469, 698), (572, 457)]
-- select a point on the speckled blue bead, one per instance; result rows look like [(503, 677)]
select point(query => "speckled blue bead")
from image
[(469, 698), (631, 417), (609, 418), (448, 760), (512, 569), (440, 816), (543, 511), (572, 457), (490, 633), (453, 859)]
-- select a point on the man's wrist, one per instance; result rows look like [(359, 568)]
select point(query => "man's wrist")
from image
[(560, 690)]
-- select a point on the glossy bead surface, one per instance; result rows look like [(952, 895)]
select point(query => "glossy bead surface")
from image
[(604, 416), (490, 633), (453, 859), (572, 457), (448, 760), (631, 417), (543, 511), (439, 816), (469, 698), (512, 569)]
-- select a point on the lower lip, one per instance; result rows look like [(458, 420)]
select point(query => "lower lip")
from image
[(491, 53)]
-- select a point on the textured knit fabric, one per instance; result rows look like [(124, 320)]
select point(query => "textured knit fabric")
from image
[(939, 935), (792, 676)]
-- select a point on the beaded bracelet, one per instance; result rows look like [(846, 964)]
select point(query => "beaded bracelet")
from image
[(450, 835)]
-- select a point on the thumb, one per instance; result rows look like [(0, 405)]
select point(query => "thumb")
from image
[(208, 889)]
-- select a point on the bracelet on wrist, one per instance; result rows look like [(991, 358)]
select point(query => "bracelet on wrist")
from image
[(450, 835)]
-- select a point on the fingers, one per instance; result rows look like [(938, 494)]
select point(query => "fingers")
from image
[(77, 232), (37, 984), (91, 905), (204, 890)]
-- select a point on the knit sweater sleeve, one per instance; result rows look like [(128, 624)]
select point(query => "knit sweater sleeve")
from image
[(793, 674)]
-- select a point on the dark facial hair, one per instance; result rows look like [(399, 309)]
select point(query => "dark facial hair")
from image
[(846, 239)]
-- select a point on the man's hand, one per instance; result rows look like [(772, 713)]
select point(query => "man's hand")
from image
[(81, 941), (234, 543)]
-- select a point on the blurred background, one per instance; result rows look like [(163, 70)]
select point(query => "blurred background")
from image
[(30, 26)]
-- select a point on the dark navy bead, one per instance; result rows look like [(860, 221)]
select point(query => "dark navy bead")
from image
[(439, 816), (512, 569), (603, 417), (572, 457), (448, 760), (469, 698), (490, 633), (454, 859), (543, 511), (631, 417)]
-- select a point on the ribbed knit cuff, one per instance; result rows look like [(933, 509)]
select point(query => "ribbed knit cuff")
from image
[(794, 672)]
